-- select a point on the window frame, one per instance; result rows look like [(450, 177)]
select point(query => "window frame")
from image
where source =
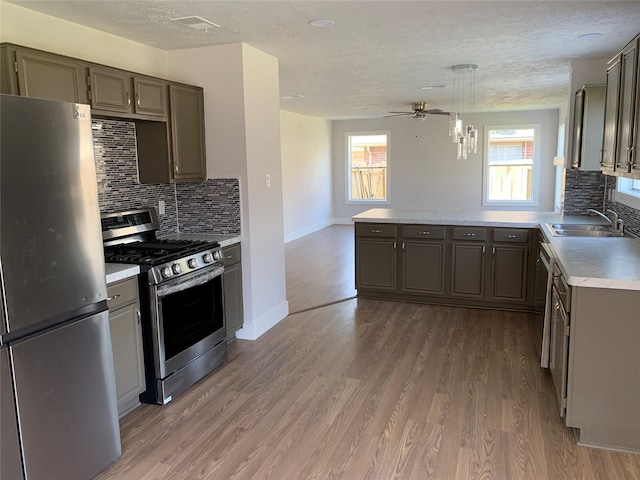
[(535, 167), (348, 175)]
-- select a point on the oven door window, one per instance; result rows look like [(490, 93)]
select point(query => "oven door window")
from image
[(191, 315)]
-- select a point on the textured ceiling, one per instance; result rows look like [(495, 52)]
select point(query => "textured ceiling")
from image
[(377, 54)]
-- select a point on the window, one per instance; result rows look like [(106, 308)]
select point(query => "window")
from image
[(510, 165), (367, 159), (628, 192)]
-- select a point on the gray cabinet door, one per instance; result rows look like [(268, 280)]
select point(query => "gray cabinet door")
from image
[(111, 90), (624, 146), (232, 284), (376, 264), (423, 267), (467, 269), (150, 96), (10, 460), (509, 273), (611, 115), (187, 133), (50, 77)]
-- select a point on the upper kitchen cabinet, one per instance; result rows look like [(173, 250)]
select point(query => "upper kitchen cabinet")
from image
[(184, 160), (587, 127), (37, 74), (187, 133), (621, 126), (115, 90)]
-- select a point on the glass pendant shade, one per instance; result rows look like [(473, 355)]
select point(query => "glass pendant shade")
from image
[(465, 137)]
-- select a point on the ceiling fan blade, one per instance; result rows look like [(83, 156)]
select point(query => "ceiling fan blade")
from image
[(401, 114), (436, 111), (406, 113)]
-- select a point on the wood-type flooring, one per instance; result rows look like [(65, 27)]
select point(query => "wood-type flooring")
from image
[(366, 389)]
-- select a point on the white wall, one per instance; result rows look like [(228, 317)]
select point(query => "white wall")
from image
[(306, 174), (424, 172), (36, 30), (242, 118)]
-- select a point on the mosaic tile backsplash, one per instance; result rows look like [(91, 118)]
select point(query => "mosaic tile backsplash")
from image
[(583, 190), (630, 215), (212, 206)]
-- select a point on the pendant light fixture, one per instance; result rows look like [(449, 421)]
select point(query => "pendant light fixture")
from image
[(464, 90)]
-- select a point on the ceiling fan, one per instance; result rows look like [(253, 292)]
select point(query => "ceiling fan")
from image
[(420, 111)]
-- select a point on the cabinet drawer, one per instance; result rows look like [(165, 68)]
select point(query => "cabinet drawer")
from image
[(232, 255), (424, 231), (375, 230), (469, 233), (122, 293), (510, 235)]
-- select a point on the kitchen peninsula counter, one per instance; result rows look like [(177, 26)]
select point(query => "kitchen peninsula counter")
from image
[(602, 262)]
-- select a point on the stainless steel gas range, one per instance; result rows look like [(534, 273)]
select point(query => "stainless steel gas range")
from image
[(181, 300)]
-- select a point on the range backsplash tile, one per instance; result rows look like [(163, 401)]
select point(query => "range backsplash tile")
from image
[(114, 148), (212, 206), (583, 190)]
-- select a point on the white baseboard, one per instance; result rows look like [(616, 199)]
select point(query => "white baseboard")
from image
[(288, 237), (342, 221), (252, 330)]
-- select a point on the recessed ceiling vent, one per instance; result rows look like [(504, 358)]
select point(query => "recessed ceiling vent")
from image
[(196, 23)]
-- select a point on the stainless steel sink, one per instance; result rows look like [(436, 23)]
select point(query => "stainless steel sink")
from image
[(558, 232), (579, 226), (583, 230)]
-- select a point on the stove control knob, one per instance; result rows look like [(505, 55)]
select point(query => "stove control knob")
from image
[(207, 258), (177, 268), (217, 254), (166, 272), (193, 262)]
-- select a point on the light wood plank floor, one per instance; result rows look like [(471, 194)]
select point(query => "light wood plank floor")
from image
[(367, 389)]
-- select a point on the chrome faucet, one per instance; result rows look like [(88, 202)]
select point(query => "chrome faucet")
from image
[(614, 221), (591, 210)]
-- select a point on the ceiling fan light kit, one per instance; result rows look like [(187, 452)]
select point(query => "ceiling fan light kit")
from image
[(464, 89)]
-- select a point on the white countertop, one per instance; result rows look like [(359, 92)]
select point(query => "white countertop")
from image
[(602, 262), (223, 240), (120, 271)]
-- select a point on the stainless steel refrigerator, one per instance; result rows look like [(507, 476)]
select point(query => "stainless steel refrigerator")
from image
[(58, 413)]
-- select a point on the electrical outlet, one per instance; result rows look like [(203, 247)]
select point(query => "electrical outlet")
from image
[(161, 207), (268, 180)]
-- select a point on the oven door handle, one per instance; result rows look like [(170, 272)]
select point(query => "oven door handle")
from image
[(183, 283)]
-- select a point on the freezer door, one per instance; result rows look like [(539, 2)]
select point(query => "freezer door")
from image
[(10, 460), (50, 235), (66, 398)]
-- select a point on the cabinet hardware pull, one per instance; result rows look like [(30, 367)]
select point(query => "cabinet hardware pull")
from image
[(138, 100), (403, 246), (493, 250), (376, 231), (510, 236), (394, 246), (128, 99), (483, 249), (469, 234), (114, 297), (139, 315), (426, 232)]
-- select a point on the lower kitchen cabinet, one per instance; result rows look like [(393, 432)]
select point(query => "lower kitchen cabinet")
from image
[(232, 284), (376, 261), (603, 368), (423, 259), (126, 340), (472, 266)]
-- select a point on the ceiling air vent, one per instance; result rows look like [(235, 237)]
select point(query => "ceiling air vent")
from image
[(197, 23)]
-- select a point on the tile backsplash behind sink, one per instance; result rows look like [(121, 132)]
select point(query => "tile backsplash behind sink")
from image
[(584, 190), (212, 206)]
